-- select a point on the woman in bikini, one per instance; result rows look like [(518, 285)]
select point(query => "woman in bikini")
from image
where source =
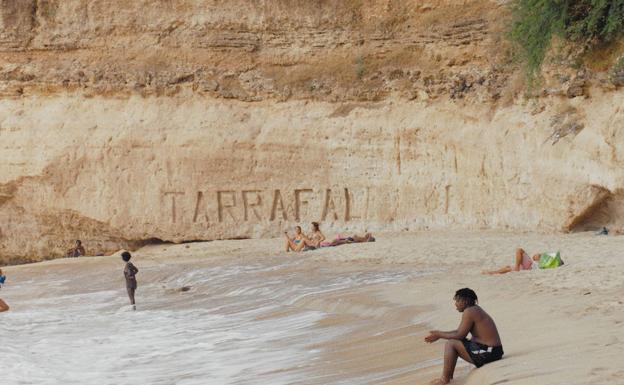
[(314, 240), (300, 242), (296, 243)]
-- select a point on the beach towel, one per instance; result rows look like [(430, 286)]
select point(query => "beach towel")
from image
[(550, 260)]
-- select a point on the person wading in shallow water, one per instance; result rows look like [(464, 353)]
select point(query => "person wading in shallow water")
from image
[(130, 272), (3, 305), (485, 345)]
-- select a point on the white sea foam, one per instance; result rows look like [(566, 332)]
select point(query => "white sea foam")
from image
[(237, 325)]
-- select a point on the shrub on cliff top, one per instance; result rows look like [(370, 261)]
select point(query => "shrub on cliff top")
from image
[(535, 22)]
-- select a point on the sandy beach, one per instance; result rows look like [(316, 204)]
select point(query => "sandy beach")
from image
[(347, 315), (193, 133)]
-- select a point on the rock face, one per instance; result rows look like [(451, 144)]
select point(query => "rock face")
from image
[(129, 122)]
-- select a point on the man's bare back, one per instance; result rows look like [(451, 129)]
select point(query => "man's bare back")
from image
[(483, 328)]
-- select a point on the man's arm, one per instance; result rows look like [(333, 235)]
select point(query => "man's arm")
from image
[(460, 333)]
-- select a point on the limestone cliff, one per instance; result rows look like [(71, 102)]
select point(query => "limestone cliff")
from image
[(126, 122)]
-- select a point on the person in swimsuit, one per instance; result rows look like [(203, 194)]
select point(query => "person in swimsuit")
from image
[(313, 241), (130, 272), (485, 345), (522, 262), (2, 278), (76, 251), (296, 243), (367, 237)]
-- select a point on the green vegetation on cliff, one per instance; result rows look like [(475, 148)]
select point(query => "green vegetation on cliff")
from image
[(586, 22)]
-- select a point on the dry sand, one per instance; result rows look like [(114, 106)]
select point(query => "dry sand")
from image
[(558, 326)]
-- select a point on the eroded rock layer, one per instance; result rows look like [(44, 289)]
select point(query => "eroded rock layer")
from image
[(129, 122)]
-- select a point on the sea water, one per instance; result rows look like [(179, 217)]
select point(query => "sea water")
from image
[(238, 323)]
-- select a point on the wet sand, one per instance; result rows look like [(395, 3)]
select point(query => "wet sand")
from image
[(355, 314)]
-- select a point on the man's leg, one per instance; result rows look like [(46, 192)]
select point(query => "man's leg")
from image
[(452, 350), (3, 306)]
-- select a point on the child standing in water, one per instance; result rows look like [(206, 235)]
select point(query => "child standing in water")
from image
[(130, 274)]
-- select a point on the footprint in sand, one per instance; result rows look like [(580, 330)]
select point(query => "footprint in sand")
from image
[(613, 341)]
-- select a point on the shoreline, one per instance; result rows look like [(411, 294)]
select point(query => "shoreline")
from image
[(543, 316)]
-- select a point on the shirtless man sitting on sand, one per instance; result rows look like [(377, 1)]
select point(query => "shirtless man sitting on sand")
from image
[(483, 347)]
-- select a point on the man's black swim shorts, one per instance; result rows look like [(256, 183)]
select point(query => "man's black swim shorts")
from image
[(482, 354)]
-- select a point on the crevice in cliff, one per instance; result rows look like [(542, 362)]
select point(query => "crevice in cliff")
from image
[(137, 244), (594, 214)]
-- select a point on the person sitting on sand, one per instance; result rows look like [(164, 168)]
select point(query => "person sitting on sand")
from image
[(77, 251), (522, 262), (314, 240), (483, 347), (3, 306), (300, 242), (130, 272), (297, 242)]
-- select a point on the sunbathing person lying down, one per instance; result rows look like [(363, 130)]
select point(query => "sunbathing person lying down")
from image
[(316, 239), (524, 262), (340, 240)]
